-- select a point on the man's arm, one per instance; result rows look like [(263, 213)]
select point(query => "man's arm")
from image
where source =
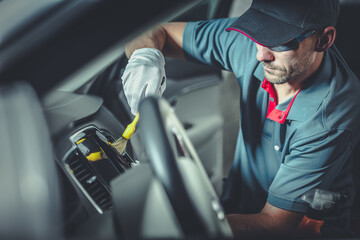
[(167, 38), (271, 221)]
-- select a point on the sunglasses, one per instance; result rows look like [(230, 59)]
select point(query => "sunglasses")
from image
[(293, 44)]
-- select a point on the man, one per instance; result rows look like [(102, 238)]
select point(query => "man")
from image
[(299, 107)]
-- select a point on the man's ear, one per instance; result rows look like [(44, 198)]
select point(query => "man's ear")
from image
[(326, 39)]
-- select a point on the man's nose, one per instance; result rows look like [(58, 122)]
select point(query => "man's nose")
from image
[(264, 54)]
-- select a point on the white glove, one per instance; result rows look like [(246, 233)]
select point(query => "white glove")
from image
[(144, 75)]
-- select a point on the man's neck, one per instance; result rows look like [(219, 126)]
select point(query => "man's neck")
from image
[(285, 91)]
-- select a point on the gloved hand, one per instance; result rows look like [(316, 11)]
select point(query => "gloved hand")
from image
[(144, 75)]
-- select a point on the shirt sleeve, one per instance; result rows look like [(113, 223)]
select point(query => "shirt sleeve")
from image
[(208, 42), (315, 161)]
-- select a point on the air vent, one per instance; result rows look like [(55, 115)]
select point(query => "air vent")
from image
[(92, 163), (88, 180)]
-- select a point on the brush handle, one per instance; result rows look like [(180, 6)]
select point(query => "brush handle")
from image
[(130, 129)]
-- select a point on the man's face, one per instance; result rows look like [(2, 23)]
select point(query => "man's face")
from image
[(282, 67)]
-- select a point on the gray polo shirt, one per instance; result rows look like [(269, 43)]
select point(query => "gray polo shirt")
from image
[(283, 150)]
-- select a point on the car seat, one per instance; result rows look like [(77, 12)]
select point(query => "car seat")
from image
[(30, 197)]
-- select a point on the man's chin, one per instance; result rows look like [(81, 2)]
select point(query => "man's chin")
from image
[(275, 80), (270, 77)]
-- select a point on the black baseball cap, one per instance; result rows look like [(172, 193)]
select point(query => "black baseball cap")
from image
[(275, 22)]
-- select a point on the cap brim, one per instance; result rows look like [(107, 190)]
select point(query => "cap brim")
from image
[(264, 29)]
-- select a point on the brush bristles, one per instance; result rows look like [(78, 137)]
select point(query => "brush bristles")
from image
[(120, 145)]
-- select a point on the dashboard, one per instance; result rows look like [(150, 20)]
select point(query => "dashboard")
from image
[(83, 129)]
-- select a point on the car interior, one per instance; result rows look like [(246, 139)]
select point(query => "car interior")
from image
[(62, 106)]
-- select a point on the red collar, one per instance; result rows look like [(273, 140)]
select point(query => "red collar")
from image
[(273, 113)]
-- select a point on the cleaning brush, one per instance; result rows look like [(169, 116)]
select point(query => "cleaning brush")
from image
[(120, 144)]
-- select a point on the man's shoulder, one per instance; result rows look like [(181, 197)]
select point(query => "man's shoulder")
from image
[(340, 85), (217, 28), (344, 91), (218, 24), (211, 43), (331, 102)]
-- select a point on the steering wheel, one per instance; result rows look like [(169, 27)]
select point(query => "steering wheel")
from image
[(176, 164)]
